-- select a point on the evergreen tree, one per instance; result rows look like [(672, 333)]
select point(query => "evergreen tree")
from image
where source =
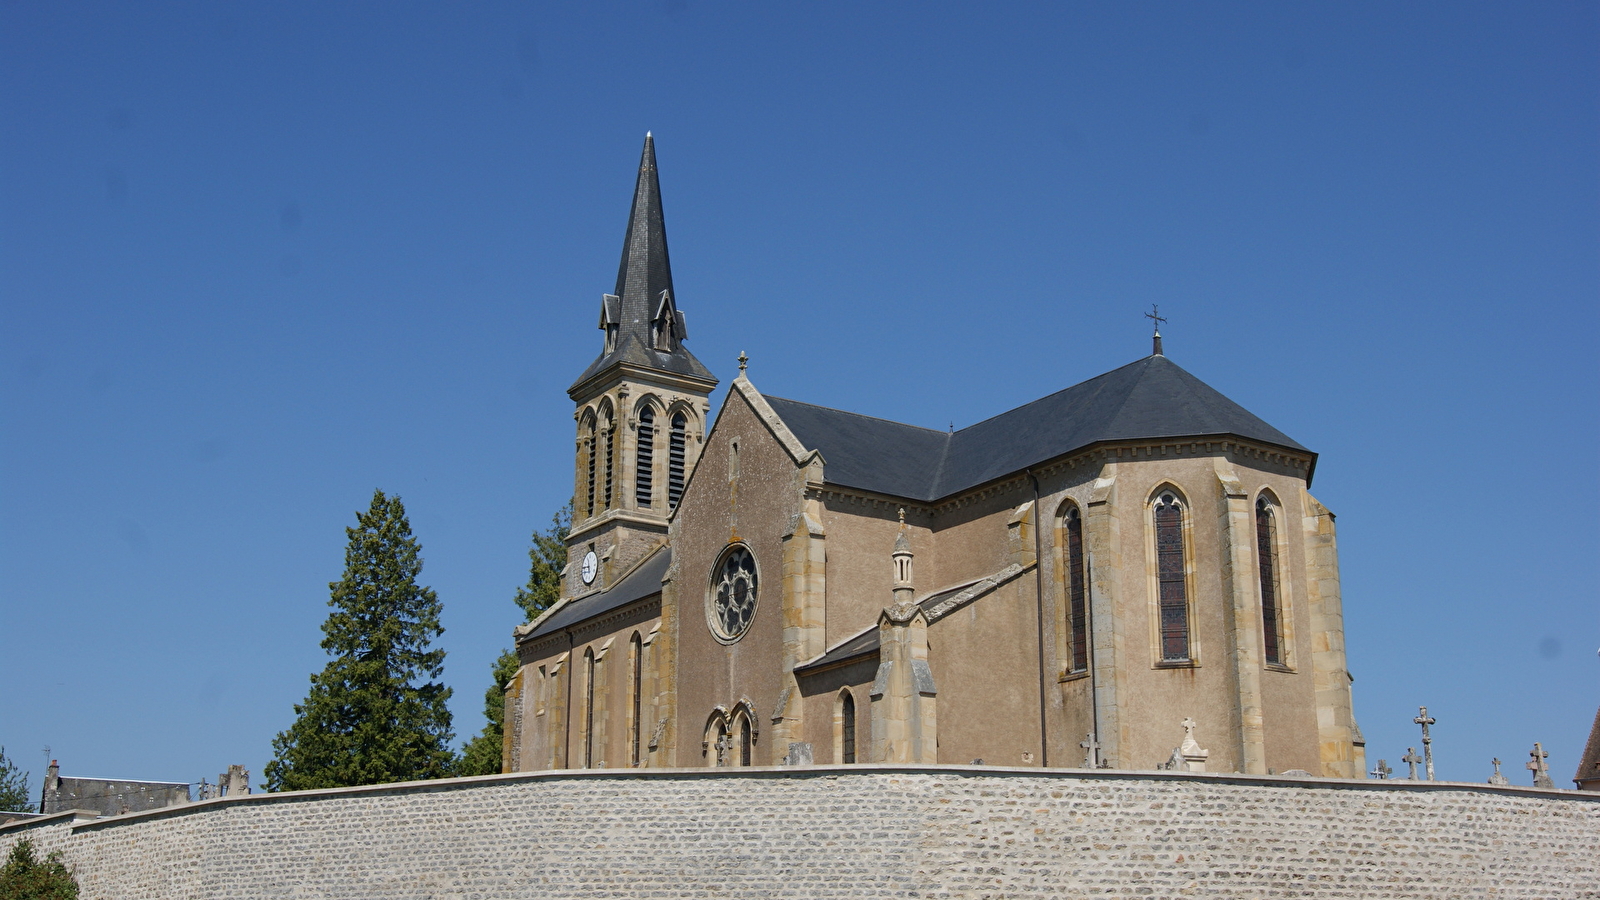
[(13, 786), (367, 720), (24, 877), (547, 556)]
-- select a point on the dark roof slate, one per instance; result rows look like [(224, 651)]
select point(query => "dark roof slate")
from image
[(643, 581), (1150, 398), (1588, 774)]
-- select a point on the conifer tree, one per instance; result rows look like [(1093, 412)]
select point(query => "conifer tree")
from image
[(377, 712), (547, 556), (26, 877), (13, 786)]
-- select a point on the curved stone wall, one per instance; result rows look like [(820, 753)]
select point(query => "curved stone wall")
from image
[(849, 831)]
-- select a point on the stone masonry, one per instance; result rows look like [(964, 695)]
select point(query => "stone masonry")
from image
[(847, 831)]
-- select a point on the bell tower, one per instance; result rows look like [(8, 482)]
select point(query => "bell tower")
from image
[(641, 407)]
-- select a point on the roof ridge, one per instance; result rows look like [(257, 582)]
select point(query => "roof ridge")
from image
[(856, 414), (1069, 387)]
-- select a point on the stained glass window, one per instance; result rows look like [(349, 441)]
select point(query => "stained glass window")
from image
[(847, 728), (1172, 580), (733, 602)]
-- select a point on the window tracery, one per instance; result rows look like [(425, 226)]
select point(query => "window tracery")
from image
[(733, 594)]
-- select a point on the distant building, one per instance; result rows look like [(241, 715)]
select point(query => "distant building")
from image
[(108, 796)]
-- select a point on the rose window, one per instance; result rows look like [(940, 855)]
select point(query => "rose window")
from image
[(733, 589)]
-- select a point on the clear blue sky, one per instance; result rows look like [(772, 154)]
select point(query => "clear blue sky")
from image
[(257, 260)]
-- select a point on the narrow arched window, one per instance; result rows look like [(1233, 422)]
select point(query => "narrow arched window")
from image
[(611, 444), (675, 459), (588, 709), (717, 743), (1077, 592), (1267, 562), (636, 688), (1172, 578), (847, 729), (644, 474), (589, 452), (746, 739)]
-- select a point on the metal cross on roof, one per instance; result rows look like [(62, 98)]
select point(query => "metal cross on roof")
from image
[(1541, 771), (1155, 317), (1381, 771), (1411, 759), (1425, 720)]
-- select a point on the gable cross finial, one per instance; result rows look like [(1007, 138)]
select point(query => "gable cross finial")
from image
[(1411, 759), (743, 361), (1540, 769), (1497, 778), (1154, 315), (1425, 720)]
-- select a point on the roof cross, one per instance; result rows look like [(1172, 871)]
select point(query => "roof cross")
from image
[(1154, 315), (1425, 720), (1381, 771), (1411, 759), (1091, 759), (1497, 778), (1541, 771)]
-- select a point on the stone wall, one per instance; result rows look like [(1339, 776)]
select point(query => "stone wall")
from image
[(848, 831)]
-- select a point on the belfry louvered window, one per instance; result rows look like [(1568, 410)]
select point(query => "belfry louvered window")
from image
[(643, 478), (589, 452), (1077, 591), (1267, 562), (611, 445), (1172, 580), (675, 459)]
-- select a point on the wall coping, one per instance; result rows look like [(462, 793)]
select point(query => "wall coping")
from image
[(1065, 774)]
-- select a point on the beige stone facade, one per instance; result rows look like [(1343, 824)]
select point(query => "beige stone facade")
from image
[(1060, 586)]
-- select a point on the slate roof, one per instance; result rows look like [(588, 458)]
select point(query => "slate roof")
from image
[(1588, 774), (644, 278), (866, 642), (1151, 398), (643, 581)]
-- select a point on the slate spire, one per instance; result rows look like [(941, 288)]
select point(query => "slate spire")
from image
[(645, 273), (642, 322)]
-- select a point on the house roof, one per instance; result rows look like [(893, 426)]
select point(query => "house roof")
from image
[(1151, 398), (643, 581)]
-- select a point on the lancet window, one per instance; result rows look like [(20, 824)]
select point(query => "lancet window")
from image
[(1267, 563), (1172, 579), (1077, 591), (644, 476), (611, 444), (847, 727), (589, 462), (676, 448), (636, 690), (588, 709)]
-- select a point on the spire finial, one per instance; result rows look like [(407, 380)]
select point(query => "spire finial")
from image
[(1154, 315), (902, 517), (743, 361)]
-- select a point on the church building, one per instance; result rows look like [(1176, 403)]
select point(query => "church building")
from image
[(1128, 573)]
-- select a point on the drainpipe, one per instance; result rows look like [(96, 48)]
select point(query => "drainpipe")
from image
[(1094, 676), (1038, 583)]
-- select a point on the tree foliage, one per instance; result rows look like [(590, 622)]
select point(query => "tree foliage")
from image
[(13, 786), (24, 877), (377, 712), (547, 557)]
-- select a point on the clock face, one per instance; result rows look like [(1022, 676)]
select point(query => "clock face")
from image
[(591, 565)]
